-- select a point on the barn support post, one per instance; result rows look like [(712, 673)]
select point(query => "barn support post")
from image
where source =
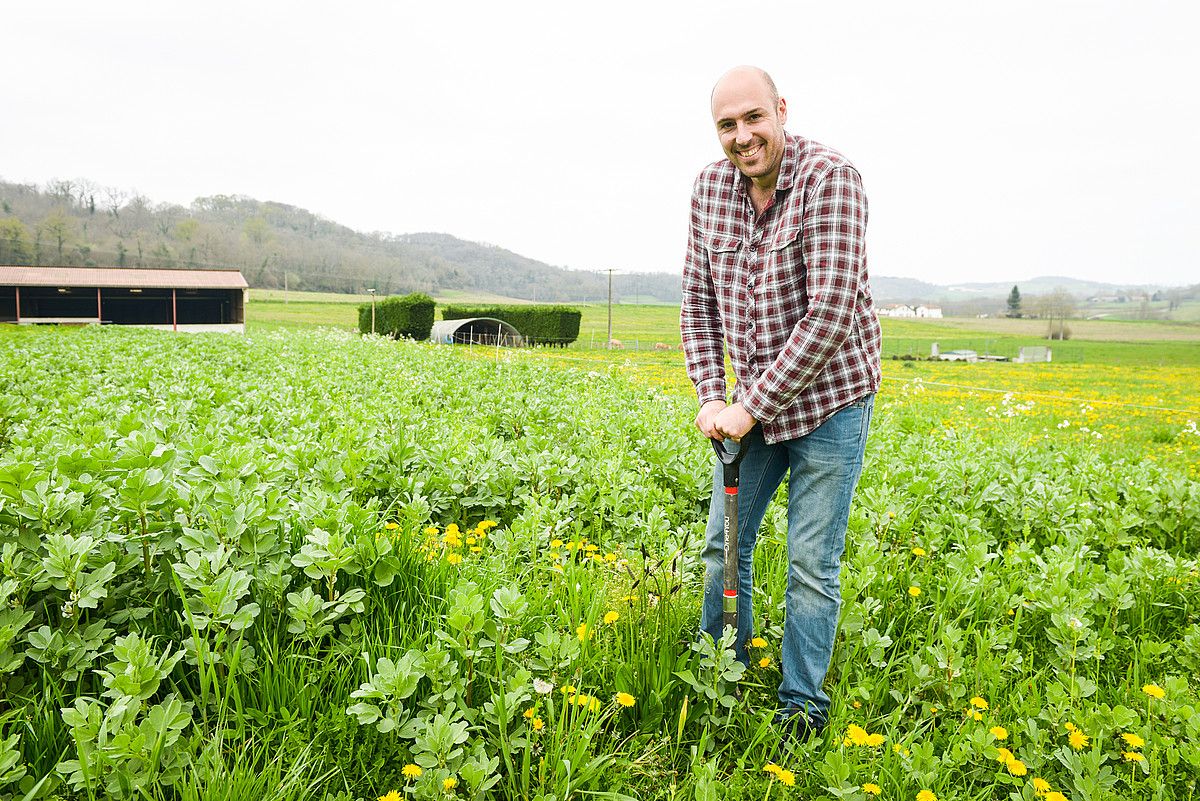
[(18, 303), (174, 313), (99, 316)]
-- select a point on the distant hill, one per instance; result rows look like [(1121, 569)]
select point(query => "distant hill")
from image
[(77, 223)]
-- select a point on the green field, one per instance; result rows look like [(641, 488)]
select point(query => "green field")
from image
[(305, 564), (642, 326)]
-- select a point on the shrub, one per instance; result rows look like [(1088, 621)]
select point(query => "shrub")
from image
[(401, 316), (540, 325)]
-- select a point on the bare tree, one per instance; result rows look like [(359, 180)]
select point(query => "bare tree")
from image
[(1056, 307), (57, 226)]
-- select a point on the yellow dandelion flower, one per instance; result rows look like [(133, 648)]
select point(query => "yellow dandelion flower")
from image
[(919, 552), (486, 524), (537, 723), (999, 732), (857, 734), (1078, 739), (1069, 726), (857, 705), (1154, 691), (979, 703), (582, 632), (772, 768), (411, 771), (449, 784), (431, 531), (1016, 767), (556, 543), (559, 568), (476, 549), (471, 540), (391, 525), (875, 740), (594, 705), (610, 557), (914, 591), (452, 528), (1040, 785), (392, 796), (1003, 755), (1055, 795), (454, 558), (765, 662), (529, 713), (1132, 740), (787, 778), (611, 617), (758, 642), (977, 716), (926, 795), (872, 789), (625, 699), (1133, 756)]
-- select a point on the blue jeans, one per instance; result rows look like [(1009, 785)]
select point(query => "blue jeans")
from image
[(823, 468)]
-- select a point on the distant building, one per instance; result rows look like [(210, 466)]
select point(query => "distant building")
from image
[(903, 310), (177, 300)]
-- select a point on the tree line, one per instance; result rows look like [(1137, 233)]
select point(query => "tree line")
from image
[(76, 222)]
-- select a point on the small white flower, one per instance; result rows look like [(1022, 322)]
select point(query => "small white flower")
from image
[(542, 687)]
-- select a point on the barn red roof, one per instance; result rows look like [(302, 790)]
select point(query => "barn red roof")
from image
[(121, 277)]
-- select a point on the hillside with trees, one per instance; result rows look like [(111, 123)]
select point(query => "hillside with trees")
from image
[(275, 245)]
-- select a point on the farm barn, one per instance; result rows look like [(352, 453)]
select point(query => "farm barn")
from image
[(178, 300)]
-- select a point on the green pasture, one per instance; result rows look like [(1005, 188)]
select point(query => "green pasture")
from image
[(642, 326)]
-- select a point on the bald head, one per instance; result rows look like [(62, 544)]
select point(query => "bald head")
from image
[(743, 78)]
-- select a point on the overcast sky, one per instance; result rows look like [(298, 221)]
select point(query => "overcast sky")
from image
[(997, 141)]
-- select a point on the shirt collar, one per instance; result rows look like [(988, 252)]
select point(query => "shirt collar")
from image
[(787, 168)]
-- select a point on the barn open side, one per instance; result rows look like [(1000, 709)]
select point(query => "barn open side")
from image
[(178, 300)]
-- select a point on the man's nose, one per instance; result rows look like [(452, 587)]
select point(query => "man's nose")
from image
[(743, 133)]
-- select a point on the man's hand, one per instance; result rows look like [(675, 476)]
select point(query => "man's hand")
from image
[(708, 413), (733, 422)]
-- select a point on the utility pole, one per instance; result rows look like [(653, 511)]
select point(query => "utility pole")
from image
[(610, 272), (372, 293)]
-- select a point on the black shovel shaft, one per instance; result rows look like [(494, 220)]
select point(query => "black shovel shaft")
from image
[(730, 461)]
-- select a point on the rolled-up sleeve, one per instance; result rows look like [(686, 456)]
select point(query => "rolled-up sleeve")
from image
[(833, 247), (699, 317)]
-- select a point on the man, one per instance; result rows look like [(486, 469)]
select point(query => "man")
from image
[(776, 274)]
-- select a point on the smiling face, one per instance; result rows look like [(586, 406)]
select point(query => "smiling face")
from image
[(750, 116)]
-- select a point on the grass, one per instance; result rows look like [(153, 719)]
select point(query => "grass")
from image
[(641, 326)]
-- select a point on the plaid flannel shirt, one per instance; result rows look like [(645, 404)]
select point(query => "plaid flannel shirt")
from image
[(785, 291)]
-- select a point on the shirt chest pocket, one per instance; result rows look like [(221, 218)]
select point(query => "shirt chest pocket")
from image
[(785, 267), (723, 254)]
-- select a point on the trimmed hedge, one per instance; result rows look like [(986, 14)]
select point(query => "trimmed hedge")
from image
[(399, 316), (540, 325)]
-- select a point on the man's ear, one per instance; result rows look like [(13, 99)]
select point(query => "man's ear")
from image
[(782, 111)]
